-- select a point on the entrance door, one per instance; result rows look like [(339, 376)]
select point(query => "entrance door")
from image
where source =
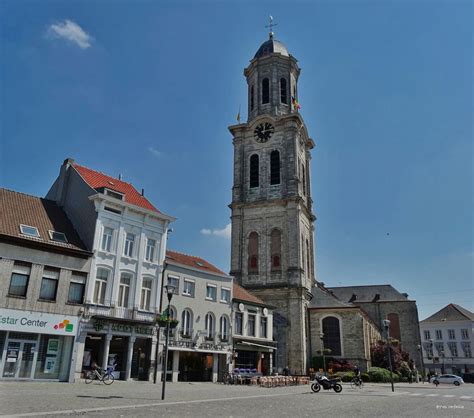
[(19, 360)]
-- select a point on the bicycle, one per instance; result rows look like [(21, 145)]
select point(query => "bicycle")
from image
[(357, 383), (104, 376), (228, 378)]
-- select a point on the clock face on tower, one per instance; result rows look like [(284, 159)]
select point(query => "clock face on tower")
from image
[(263, 132)]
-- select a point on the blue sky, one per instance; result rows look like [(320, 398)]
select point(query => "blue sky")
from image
[(147, 89)]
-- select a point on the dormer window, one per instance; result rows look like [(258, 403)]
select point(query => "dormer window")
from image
[(57, 236), (30, 231), (114, 194)]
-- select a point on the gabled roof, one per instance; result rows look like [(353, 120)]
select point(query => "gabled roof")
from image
[(322, 298), (192, 261), (370, 293), (21, 209), (452, 312), (98, 180), (242, 294)]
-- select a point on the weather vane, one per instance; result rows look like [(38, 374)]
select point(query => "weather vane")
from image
[(270, 25)]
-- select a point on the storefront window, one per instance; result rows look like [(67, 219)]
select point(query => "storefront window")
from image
[(54, 355)]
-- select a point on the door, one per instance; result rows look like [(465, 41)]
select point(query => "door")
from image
[(19, 360)]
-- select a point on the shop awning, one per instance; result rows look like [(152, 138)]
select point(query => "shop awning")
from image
[(257, 345)]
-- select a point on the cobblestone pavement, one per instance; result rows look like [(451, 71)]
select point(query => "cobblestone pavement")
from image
[(215, 400)]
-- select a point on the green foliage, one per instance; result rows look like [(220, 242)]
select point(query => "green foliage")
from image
[(378, 374), (365, 377)]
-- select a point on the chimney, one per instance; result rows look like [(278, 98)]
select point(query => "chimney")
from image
[(68, 161), (120, 176), (143, 192)]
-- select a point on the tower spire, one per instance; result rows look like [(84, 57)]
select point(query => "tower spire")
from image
[(270, 25)]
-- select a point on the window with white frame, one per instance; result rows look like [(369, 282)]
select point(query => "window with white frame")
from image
[(49, 285), (173, 313), (100, 286), (188, 287), (453, 349), (440, 349), (211, 292), (429, 350), (209, 326), (239, 321), (451, 334), (31, 231), (251, 326), (77, 288), (439, 334), (174, 281), (466, 347), (427, 335), (124, 289), (145, 296), (129, 243), (150, 249), (224, 328), (263, 327), (106, 243), (187, 323), (225, 295), (464, 334)]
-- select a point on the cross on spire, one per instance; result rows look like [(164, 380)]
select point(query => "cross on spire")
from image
[(270, 25)]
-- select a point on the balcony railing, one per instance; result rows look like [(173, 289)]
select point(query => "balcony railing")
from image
[(121, 313)]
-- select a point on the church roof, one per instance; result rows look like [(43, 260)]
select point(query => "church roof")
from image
[(452, 312), (322, 298), (272, 46), (370, 293)]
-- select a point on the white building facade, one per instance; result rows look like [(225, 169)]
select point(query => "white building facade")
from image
[(127, 235), (447, 341)]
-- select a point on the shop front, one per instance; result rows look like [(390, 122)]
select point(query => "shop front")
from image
[(253, 355), (128, 347), (191, 362), (36, 345)]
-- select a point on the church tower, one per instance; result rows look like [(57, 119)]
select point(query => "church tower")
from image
[(272, 253)]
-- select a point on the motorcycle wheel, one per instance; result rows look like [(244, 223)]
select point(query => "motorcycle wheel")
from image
[(337, 388), (315, 387)]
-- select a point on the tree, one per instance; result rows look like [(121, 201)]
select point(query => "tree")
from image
[(379, 354)]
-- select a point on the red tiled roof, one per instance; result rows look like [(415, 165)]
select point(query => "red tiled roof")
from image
[(96, 180), (241, 294), (191, 261), (19, 208)]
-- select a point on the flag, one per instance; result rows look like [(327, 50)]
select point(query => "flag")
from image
[(296, 105), (238, 116)]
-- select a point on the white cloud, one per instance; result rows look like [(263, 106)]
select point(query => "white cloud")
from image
[(155, 152), (72, 32), (223, 233)]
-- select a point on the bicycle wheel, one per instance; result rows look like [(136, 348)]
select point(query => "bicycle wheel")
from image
[(226, 378), (108, 379), (353, 384), (89, 377)]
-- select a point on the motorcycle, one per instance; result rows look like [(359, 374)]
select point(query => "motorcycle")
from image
[(325, 383)]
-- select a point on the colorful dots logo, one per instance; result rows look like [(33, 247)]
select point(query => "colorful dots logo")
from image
[(65, 325)]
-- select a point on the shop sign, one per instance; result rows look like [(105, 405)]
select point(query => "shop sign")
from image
[(39, 322), (99, 325), (211, 346)]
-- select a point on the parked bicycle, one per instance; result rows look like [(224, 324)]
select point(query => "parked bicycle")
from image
[(228, 378), (357, 383), (100, 374)]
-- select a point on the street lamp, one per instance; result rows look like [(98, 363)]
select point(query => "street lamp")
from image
[(441, 353), (321, 336), (386, 325), (169, 293), (422, 367)]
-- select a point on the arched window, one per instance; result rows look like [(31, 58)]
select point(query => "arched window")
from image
[(332, 336), (252, 100), (283, 91), (254, 171), (209, 326), (173, 313), (186, 323), (124, 289), (265, 91), (275, 167), (276, 249), (253, 253), (394, 330), (224, 328)]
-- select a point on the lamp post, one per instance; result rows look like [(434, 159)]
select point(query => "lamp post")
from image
[(422, 367), (386, 325), (321, 336), (169, 293), (441, 353)]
